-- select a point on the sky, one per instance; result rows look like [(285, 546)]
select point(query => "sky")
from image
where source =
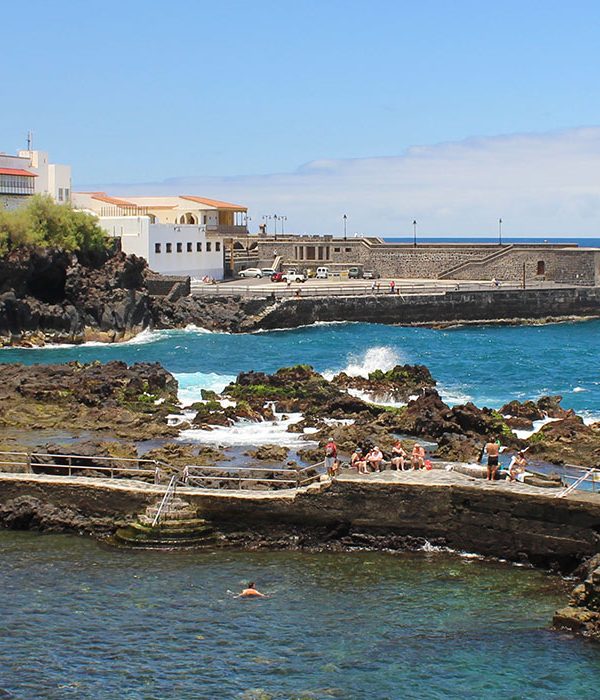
[(454, 113)]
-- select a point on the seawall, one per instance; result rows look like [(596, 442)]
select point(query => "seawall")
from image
[(449, 307), (488, 519)]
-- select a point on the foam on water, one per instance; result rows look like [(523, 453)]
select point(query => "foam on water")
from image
[(192, 383), (249, 433), (368, 398), (537, 424), (378, 357)]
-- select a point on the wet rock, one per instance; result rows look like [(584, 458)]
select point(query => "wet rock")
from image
[(397, 384), (29, 513), (270, 453), (527, 410), (582, 615), (567, 441), (111, 397)]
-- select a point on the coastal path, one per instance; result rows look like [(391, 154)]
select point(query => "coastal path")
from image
[(344, 287)]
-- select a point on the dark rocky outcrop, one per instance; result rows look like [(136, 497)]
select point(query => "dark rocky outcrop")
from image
[(582, 615), (295, 389), (48, 294), (397, 384), (567, 441), (114, 398)]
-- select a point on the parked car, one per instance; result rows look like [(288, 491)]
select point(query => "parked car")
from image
[(354, 273), (251, 272), (322, 273), (310, 273), (371, 275), (293, 276), (268, 271), (277, 277)]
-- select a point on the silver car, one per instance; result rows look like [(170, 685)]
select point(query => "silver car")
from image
[(251, 272)]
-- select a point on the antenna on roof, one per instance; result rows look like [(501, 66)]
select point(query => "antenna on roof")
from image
[(29, 140)]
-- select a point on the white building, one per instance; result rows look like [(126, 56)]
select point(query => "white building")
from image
[(219, 217), (30, 173), (170, 249)]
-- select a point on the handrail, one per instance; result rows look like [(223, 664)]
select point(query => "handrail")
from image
[(166, 500), (577, 482), (480, 262), (239, 475)]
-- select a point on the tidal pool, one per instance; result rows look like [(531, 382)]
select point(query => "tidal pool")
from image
[(82, 620)]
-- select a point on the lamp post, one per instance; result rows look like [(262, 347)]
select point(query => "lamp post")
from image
[(345, 220), (266, 218), (500, 232), (275, 217), (282, 219), (414, 233)]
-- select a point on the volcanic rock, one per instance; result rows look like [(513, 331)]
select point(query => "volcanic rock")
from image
[(397, 384), (567, 441)]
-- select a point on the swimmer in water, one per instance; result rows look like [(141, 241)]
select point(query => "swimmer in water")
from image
[(251, 592)]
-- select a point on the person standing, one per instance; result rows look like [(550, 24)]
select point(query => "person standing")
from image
[(492, 450), (331, 461), (392, 287)]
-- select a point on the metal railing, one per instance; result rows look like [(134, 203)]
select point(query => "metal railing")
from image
[(281, 290), (73, 462), (166, 499), (593, 474), (242, 477)]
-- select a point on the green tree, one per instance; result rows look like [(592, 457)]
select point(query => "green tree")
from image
[(42, 222)]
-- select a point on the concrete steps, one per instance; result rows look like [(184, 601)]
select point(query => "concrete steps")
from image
[(179, 527)]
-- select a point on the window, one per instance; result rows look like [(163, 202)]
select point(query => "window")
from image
[(189, 247), (169, 247), (204, 219), (157, 247), (541, 268), (218, 246), (348, 250), (180, 247), (60, 194), (67, 193), (337, 250), (208, 246), (198, 247)]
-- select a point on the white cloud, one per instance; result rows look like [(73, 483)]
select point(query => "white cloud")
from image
[(540, 184)]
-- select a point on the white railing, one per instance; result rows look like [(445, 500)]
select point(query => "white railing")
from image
[(281, 290), (245, 477), (75, 463), (166, 500), (591, 474)]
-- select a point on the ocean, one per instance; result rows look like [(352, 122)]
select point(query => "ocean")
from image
[(81, 620)]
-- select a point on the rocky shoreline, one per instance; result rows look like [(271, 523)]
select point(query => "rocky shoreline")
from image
[(50, 296)]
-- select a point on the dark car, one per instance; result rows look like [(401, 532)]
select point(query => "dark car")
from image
[(354, 273), (277, 277)]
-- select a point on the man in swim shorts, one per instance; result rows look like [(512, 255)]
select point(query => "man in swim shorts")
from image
[(492, 450), (331, 460), (251, 591)]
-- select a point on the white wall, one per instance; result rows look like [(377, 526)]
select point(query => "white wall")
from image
[(59, 182), (140, 237)]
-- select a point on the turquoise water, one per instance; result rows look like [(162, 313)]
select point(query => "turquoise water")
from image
[(486, 364), (82, 621)]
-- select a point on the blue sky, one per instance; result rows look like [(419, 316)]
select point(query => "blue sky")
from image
[(275, 102)]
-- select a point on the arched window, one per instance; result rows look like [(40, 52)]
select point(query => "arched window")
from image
[(189, 218), (541, 267)]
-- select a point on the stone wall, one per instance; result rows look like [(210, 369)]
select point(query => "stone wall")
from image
[(455, 306), (560, 263), (509, 524), (172, 286)]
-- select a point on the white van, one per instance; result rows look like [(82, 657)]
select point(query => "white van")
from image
[(322, 273)]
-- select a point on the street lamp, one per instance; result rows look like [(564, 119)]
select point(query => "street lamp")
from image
[(282, 219), (266, 218), (499, 231), (275, 217), (345, 220), (414, 233)]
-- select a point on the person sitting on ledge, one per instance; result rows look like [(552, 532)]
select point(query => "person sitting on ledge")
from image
[(398, 456), (251, 592), (358, 461), (417, 457), (516, 466), (375, 459)]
